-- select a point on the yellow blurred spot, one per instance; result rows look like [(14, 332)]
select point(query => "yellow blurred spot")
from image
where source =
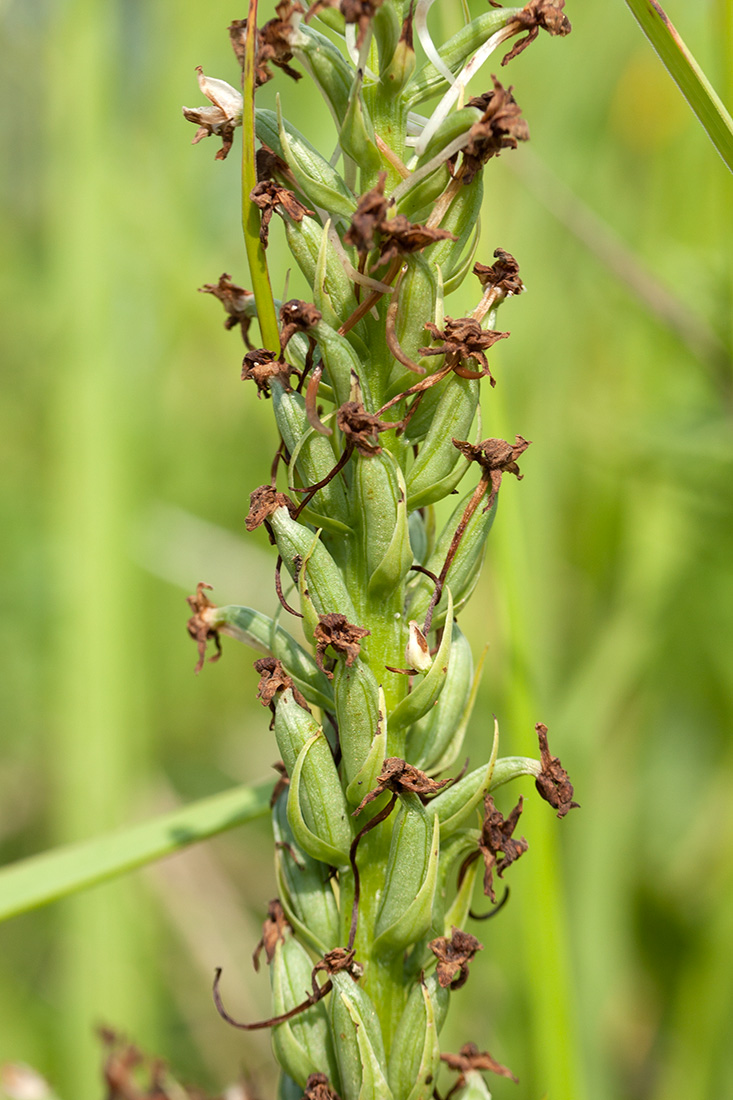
[(647, 110)]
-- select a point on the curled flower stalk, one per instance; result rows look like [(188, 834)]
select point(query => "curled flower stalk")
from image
[(379, 834)]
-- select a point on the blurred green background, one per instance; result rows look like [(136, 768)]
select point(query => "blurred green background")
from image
[(130, 447)]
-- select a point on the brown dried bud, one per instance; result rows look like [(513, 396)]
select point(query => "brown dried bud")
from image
[(553, 782), (296, 316), (200, 627), (501, 127), (263, 502), (360, 427), (471, 1058), (400, 237), (502, 276), (464, 339), (453, 957), (336, 631), (547, 14), (497, 845), (398, 776), (274, 679), (273, 43), (235, 300), (262, 366), (268, 195), (496, 457), (371, 211), (338, 960), (273, 933)]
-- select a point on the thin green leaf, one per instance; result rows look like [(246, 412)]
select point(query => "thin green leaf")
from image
[(259, 274), (44, 878), (687, 74)]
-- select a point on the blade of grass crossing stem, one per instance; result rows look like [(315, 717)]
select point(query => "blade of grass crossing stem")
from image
[(250, 218), (687, 74), (52, 875)]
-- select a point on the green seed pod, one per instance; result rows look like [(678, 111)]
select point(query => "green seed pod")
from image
[(400, 68), (454, 126), (456, 51), (452, 745), (327, 66), (322, 268), (317, 811), (356, 135), (359, 1043), (302, 1045), (415, 1054), (356, 693), (264, 635), (341, 362), (381, 502), (304, 555), (460, 220), (304, 887), (366, 778), (416, 304), (386, 27), (312, 455), (416, 202), (465, 568), (425, 693), (316, 178), (405, 911), (439, 466)]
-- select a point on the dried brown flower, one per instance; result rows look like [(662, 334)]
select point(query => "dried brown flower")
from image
[(453, 957), (296, 316), (274, 679), (464, 339), (263, 502), (370, 213), (338, 960), (318, 1087), (553, 782), (336, 631), (235, 300), (268, 196), (395, 236), (502, 276), (497, 845), (500, 127), (273, 43), (398, 776), (273, 933), (496, 457), (400, 237), (199, 626), (360, 12), (470, 1058), (262, 366), (360, 427), (547, 14)]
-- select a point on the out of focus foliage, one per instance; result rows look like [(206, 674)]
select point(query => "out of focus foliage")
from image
[(129, 449)]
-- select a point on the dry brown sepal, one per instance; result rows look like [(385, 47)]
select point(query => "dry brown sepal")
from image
[(318, 1087), (496, 457), (262, 366), (267, 195), (470, 1058), (335, 630), (503, 276), (263, 502), (273, 680), (464, 340), (199, 626), (553, 782), (500, 127), (371, 228), (273, 43), (360, 428), (453, 957), (273, 932), (497, 845), (547, 14), (399, 777), (234, 299), (296, 316)]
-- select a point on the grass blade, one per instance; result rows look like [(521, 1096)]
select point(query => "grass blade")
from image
[(687, 74), (44, 878)]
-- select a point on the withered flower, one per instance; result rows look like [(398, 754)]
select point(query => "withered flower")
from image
[(360, 427), (500, 127), (553, 782), (235, 300), (453, 957), (503, 276), (268, 195), (496, 457), (273, 933), (547, 14), (470, 1058), (221, 118), (398, 776), (273, 680), (340, 959), (296, 316), (262, 366), (464, 339), (336, 631), (400, 237), (360, 12), (318, 1087), (263, 502), (371, 211), (273, 43), (200, 627), (497, 845), (270, 166)]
